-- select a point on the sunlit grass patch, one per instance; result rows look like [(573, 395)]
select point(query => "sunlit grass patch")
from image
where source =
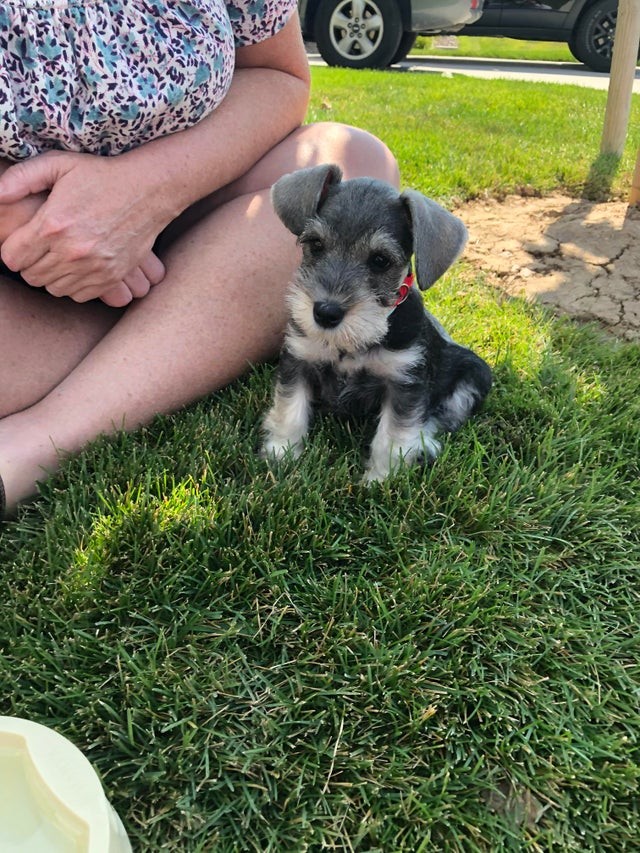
[(459, 138), (497, 48)]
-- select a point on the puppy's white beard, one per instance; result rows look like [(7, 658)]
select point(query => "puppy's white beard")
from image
[(363, 326)]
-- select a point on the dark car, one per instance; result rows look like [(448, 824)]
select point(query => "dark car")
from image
[(587, 26), (377, 33)]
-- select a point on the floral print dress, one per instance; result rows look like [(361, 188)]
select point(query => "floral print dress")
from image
[(103, 76)]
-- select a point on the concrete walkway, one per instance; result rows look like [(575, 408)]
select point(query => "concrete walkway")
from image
[(508, 69)]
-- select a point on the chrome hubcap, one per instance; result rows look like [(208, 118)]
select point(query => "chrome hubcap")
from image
[(356, 28)]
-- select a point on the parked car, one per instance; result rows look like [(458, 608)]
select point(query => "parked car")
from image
[(588, 26), (377, 33)]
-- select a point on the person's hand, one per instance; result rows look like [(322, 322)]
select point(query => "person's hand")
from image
[(135, 284), (18, 213), (92, 236), (15, 214)]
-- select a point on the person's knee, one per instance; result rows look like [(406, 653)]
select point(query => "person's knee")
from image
[(357, 152)]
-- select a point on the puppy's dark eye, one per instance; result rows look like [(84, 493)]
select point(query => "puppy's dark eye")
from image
[(314, 245), (379, 262)]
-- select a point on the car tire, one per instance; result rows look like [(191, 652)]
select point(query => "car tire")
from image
[(407, 41), (344, 37), (592, 39)]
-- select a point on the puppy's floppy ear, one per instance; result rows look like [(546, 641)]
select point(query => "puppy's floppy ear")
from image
[(438, 237), (296, 197)]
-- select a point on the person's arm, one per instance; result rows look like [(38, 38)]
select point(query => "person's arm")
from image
[(268, 99), (103, 214)]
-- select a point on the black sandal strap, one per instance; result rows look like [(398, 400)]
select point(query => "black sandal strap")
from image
[(3, 500)]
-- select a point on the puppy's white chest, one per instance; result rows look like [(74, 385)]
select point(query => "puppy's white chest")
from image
[(383, 363)]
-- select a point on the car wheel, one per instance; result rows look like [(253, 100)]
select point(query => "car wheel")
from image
[(407, 41), (592, 40), (358, 33)]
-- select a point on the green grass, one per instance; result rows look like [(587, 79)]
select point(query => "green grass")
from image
[(286, 660), (496, 48), (459, 138)]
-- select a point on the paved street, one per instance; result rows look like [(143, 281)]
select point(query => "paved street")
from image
[(511, 69)]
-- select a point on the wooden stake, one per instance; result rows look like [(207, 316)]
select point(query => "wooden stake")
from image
[(623, 70)]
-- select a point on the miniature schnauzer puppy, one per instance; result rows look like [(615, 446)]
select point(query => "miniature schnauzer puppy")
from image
[(359, 339)]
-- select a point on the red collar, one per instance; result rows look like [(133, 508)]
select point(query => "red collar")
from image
[(404, 289)]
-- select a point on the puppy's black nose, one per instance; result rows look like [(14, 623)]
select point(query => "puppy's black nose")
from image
[(327, 314)]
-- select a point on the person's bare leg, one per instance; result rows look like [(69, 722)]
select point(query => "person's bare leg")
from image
[(42, 339), (219, 309)]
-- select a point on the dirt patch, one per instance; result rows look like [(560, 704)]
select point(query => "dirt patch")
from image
[(578, 257)]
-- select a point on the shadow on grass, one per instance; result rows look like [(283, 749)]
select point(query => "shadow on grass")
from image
[(601, 176)]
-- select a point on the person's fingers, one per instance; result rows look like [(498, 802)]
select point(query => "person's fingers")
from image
[(45, 273), (20, 251), (153, 268), (32, 176), (138, 283), (118, 296)]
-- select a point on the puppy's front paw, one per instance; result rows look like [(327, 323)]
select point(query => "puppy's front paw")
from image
[(278, 448), (386, 460), (374, 475), (286, 423)]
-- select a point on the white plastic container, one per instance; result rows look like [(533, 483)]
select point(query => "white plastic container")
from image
[(51, 800)]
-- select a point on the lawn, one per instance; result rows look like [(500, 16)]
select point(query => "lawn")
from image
[(459, 138), (285, 660), (496, 48)]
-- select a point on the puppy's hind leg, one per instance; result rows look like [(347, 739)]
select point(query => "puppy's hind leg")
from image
[(466, 394), (287, 422)]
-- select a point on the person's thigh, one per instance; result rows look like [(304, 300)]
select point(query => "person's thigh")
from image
[(42, 339)]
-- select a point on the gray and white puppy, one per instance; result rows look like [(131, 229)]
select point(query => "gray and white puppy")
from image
[(359, 338)]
